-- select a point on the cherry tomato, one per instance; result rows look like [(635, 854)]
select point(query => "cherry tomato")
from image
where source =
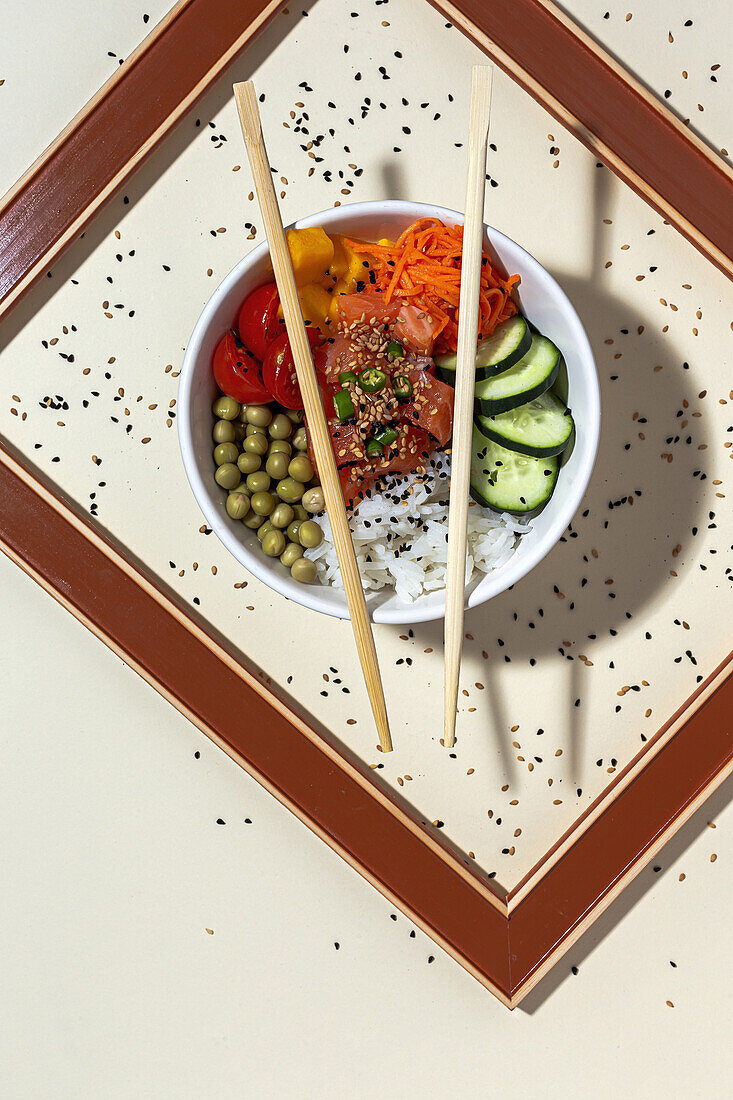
[(258, 322), (278, 370), (237, 372)]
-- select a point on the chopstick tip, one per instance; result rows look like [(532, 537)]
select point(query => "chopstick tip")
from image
[(248, 110)]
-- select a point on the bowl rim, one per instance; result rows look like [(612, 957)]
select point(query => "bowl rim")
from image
[(312, 596)]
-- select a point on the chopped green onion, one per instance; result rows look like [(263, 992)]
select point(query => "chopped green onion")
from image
[(374, 447), (402, 387), (343, 404), (372, 380), (395, 350), (385, 436), (347, 376)]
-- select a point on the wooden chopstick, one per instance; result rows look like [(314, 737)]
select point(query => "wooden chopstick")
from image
[(249, 117), (473, 230)]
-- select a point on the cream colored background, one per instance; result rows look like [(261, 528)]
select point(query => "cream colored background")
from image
[(115, 865), (546, 714)]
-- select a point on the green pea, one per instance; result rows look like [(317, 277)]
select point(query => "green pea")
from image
[(225, 452), (273, 543), (282, 515), (300, 440), (291, 553), (310, 534), (301, 468), (277, 445), (258, 414), (226, 408), (258, 482), (295, 416), (253, 521), (303, 570), (300, 512), (228, 476), (313, 500), (277, 465), (249, 464), (264, 528), (262, 503), (281, 427), (293, 529), (255, 429), (237, 505), (255, 444), (224, 432), (290, 490), (239, 432)]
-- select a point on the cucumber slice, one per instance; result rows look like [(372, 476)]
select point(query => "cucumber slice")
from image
[(532, 376), (507, 481), (540, 428), (495, 354)]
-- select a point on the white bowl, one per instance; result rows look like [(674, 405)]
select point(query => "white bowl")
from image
[(543, 302)]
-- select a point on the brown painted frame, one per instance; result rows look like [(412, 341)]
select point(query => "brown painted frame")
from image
[(508, 942)]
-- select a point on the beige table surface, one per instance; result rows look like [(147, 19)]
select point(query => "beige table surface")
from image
[(168, 930)]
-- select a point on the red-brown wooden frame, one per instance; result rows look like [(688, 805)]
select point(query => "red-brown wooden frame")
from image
[(507, 941)]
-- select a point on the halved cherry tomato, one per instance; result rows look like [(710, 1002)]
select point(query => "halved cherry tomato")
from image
[(237, 372), (278, 369), (258, 322)]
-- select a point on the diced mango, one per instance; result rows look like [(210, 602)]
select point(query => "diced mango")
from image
[(311, 253), (346, 264), (315, 302), (340, 261), (357, 271), (347, 270), (333, 311)]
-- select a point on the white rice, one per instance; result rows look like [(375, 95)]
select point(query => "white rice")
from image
[(401, 535)]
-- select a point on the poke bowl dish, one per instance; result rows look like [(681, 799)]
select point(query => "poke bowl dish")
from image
[(378, 285)]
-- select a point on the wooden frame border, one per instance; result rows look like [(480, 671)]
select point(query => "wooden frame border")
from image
[(610, 112), (556, 62), (507, 942), (114, 133)]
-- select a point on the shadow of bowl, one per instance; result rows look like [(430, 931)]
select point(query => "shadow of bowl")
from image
[(643, 506)]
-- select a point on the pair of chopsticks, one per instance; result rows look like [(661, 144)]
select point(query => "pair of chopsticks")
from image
[(249, 117)]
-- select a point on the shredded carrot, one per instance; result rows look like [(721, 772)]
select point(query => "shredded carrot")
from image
[(423, 267)]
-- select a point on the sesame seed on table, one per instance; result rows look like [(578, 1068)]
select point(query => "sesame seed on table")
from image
[(646, 549), (568, 674)]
